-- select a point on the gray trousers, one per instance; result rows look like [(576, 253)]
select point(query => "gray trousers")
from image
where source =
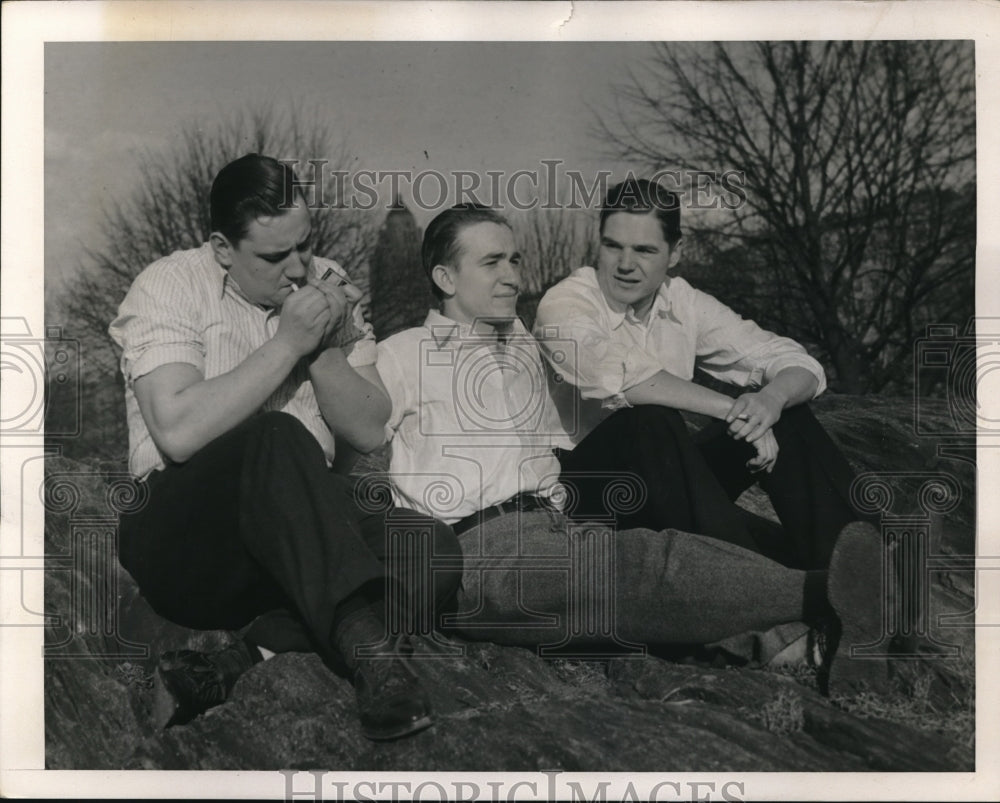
[(535, 578)]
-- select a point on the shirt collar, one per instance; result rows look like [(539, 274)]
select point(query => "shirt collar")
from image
[(444, 330), (617, 317)]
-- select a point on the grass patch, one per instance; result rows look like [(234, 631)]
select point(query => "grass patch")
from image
[(133, 675), (938, 699), (783, 714)]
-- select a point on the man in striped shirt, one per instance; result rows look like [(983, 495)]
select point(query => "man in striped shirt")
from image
[(245, 360)]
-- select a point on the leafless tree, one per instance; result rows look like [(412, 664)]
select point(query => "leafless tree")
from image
[(553, 243), (855, 225), (169, 210)]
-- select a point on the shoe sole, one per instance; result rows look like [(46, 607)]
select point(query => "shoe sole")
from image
[(854, 588), (406, 730)]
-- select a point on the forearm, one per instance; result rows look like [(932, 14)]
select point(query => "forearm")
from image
[(354, 407), (185, 414), (680, 394), (792, 386)]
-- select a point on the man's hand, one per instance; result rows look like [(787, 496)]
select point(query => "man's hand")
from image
[(304, 321), (767, 453), (753, 414), (341, 299)]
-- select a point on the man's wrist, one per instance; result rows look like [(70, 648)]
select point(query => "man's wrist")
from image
[(774, 393), (329, 358), (285, 350)]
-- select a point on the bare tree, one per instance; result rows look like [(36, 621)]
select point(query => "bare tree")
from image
[(858, 225), (169, 210), (553, 242)]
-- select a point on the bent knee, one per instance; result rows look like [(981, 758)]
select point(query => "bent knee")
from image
[(647, 418), (796, 419), (277, 423)]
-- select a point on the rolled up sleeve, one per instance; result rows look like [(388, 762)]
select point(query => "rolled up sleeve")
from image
[(363, 351), (153, 328), (740, 352), (581, 348)]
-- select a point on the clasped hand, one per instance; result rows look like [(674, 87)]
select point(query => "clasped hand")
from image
[(319, 316), (751, 418)]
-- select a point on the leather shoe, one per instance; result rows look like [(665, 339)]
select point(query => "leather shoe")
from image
[(187, 683), (391, 701)]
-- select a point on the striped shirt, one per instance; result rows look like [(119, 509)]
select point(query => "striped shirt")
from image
[(185, 308)]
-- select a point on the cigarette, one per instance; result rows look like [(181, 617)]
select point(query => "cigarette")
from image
[(743, 417)]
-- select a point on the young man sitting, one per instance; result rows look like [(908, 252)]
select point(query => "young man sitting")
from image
[(640, 333), (245, 361), (472, 429)]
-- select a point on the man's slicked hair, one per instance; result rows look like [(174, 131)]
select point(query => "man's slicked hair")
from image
[(253, 186), (441, 245), (640, 196)]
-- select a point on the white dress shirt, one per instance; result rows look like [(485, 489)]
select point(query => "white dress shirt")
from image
[(615, 351), (472, 421), (186, 308)]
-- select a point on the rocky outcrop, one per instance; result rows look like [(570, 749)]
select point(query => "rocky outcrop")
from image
[(503, 708)]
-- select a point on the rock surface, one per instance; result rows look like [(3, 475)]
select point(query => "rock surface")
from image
[(502, 708)]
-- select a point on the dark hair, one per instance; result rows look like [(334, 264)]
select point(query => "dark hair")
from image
[(441, 238), (640, 196), (251, 187)]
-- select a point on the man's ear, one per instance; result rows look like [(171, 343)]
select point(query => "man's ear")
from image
[(222, 249), (443, 278), (675, 255)]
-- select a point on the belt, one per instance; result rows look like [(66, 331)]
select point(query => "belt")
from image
[(521, 503)]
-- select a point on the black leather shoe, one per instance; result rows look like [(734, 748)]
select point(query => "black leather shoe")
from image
[(391, 701), (854, 589), (187, 683)]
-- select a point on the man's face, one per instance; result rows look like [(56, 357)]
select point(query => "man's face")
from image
[(484, 283), (633, 260), (274, 257)]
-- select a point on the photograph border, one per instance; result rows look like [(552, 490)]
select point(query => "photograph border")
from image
[(27, 26)]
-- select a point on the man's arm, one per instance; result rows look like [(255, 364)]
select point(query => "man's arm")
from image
[(754, 413), (353, 400), (665, 389), (184, 411), (602, 368)]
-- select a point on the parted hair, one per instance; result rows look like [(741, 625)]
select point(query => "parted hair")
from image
[(441, 247), (250, 187)]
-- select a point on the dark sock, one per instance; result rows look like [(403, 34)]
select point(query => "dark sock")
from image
[(359, 621), (370, 595), (815, 603)]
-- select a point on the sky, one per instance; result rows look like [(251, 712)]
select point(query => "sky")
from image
[(403, 106)]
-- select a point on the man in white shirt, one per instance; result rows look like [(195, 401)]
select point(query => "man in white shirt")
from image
[(244, 360), (472, 430), (640, 334)]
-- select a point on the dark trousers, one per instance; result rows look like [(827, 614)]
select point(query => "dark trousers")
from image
[(691, 481), (256, 528)]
